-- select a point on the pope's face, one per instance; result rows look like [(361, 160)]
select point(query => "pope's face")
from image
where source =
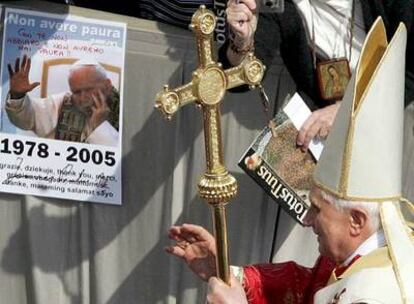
[(84, 82), (330, 224)]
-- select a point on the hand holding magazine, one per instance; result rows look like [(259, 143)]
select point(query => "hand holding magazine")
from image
[(278, 166)]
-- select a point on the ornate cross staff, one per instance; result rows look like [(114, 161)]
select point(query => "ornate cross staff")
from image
[(207, 88)]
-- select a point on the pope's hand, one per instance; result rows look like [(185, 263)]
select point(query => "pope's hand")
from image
[(220, 293), (318, 125), (19, 78), (196, 246), (100, 109)]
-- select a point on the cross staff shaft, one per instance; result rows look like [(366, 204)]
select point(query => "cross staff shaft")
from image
[(207, 88)]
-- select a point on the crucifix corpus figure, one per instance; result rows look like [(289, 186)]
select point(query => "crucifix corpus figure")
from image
[(207, 87)]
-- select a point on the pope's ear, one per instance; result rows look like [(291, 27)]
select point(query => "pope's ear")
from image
[(358, 220)]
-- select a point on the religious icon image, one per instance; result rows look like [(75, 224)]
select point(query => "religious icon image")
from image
[(333, 78)]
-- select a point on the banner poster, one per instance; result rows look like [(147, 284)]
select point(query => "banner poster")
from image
[(61, 106)]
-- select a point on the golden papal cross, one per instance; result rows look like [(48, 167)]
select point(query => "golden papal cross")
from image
[(207, 88)]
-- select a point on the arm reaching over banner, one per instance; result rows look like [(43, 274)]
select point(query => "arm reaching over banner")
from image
[(242, 21)]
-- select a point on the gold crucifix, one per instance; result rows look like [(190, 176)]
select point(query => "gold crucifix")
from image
[(207, 88)]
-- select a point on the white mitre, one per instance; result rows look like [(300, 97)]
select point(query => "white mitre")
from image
[(362, 158)]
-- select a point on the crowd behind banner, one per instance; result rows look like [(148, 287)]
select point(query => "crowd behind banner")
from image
[(174, 12)]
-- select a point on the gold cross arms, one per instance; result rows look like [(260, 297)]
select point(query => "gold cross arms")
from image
[(209, 82)]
